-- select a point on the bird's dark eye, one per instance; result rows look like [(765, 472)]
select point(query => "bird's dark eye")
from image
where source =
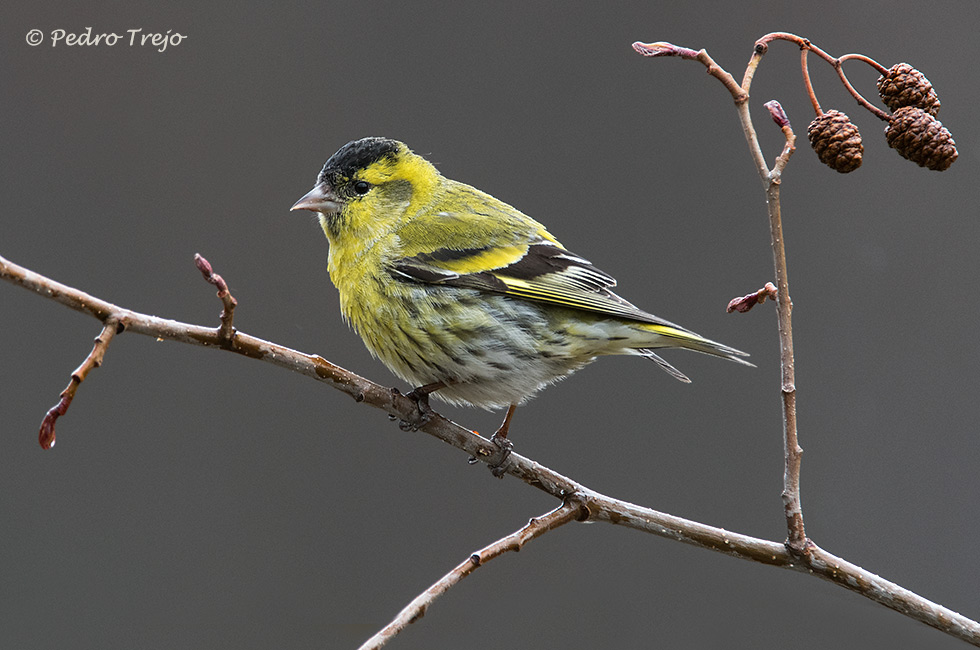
[(362, 187)]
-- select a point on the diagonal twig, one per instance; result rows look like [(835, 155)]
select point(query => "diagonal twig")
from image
[(46, 435), (572, 508)]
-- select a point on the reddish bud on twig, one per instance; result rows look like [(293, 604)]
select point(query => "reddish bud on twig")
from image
[(746, 303), (207, 271), (663, 48), (227, 329), (46, 435), (777, 113)]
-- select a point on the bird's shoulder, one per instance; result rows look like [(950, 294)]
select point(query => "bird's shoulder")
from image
[(461, 217)]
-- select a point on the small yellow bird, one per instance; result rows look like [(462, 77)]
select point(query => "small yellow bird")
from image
[(464, 296)]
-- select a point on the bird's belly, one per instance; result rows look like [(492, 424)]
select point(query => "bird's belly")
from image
[(490, 351)]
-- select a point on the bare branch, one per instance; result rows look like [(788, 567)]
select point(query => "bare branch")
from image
[(600, 507), (662, 48), (571, 509)]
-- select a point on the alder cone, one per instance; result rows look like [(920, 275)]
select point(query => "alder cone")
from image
[(920, 137), (837, 141), (902, 85)]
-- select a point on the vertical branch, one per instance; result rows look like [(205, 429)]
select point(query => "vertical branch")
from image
[(772, 179), (792, 506), (796, 539), (792, 453)]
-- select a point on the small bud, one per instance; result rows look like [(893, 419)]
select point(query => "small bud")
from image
[(904, 86), (777, 113), (663, 48), (920, 137), (837, 141)]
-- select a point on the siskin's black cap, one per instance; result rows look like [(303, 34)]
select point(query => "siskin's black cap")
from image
[(355, 155)]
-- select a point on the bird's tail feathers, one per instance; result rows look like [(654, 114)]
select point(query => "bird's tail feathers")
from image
[(679, 338), (669, 369)]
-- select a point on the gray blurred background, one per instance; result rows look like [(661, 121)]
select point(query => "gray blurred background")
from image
[(199, 499)]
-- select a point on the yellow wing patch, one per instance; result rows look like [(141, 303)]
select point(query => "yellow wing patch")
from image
[(480, 260)]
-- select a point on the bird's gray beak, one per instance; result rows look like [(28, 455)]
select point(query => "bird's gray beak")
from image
[(321, 198)]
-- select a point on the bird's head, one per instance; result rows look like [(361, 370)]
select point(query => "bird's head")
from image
[(367, 188)]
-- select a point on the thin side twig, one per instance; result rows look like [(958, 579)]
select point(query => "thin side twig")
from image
[(837, 63), (570, 510), (739, 92), (227, 329), (46, 435), (809, 84), (744, 303)]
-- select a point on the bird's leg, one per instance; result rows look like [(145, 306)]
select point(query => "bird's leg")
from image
[(420, 396), (499, 438), (500, 435)]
